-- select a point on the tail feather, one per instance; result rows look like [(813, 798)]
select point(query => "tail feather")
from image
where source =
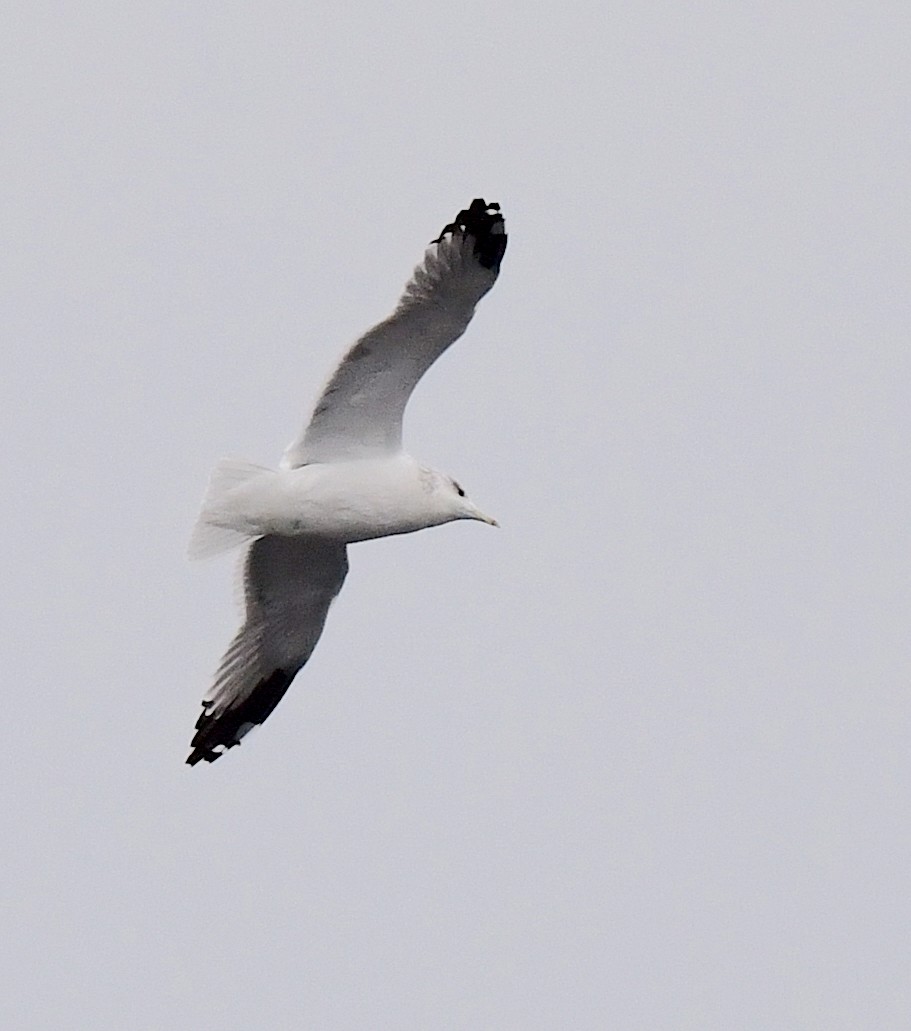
[(213, 532)]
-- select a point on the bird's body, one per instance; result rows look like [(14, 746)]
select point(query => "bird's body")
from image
[(356, 500), (346, 479)]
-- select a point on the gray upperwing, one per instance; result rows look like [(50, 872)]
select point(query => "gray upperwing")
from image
[(289, 584), (359, 413)]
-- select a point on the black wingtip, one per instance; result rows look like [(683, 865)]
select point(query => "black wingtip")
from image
[(198, 754), (216, 734), (484, 223)]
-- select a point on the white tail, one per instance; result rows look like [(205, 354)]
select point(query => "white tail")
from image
[(213, 533)]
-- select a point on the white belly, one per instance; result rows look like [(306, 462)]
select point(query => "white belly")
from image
[(346, 501)]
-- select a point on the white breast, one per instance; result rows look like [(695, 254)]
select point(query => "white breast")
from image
[(345, 501)]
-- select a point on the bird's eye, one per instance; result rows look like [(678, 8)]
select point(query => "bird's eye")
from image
[(459, 490)]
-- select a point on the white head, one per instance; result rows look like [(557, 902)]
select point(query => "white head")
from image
[(452, 501)]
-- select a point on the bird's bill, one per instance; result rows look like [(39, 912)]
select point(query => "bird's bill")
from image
[(476, 513)]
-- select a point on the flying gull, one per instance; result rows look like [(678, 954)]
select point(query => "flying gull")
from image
[(345, 479)]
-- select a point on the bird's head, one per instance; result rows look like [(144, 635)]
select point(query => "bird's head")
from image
[(458, 503)]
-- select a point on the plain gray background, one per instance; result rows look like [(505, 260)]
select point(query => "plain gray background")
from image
[(637, 760)]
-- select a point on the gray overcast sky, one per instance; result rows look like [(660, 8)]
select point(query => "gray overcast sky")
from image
[(638, 760)]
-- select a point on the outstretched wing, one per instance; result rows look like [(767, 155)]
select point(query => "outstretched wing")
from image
[(360, 411), (289, 583)]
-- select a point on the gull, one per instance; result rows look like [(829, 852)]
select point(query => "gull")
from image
[(345, 479)]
